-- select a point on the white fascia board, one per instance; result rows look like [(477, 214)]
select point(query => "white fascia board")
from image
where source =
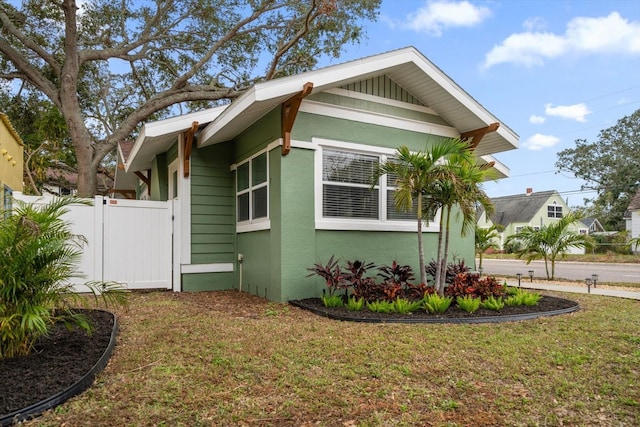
[(172, 125), (500, 167), (329, 77), (136, 147), (182, 123), (223, 119)]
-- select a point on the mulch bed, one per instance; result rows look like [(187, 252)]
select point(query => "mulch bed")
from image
[(453, 314), (56, 363)]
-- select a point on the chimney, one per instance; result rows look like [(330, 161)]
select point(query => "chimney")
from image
[(529, 191)]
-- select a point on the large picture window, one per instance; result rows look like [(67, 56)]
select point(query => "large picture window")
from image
[(348, 198), (252, 189)]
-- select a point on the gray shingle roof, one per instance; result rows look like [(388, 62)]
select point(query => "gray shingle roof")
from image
[(635, 202), (519, 208)]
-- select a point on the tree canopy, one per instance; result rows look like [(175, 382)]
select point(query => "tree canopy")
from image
[(107, 66), (611, 166)]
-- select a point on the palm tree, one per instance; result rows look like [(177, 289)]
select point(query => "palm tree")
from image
[(485, 240), (415, 173), (458, 188), (549, 242)]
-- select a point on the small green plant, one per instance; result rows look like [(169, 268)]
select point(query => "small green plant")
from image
[(404, 306), (332, 300), (355, 304), (38, 257), (522, 297), (493, 303), (381, 306), (468, 303), (530, 298), (435, 303)]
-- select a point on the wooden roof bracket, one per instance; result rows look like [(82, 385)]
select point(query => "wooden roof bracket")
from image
[(188, 143), (290, 109), (476, 135), (145, 178)]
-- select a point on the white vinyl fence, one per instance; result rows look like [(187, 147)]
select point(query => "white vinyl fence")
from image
[(129, 241)]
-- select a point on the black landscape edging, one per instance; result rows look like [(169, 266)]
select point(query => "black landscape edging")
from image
[(459, 320), (33, 411)]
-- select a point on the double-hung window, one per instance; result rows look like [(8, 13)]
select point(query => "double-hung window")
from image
[(252, 191), (347, 198)]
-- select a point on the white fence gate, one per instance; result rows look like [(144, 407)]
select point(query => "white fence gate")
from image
[(129, 241)]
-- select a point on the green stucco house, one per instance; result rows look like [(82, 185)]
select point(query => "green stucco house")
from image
[(280, 179)]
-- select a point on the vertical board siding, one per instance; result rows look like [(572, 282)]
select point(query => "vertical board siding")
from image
[(384, 87)]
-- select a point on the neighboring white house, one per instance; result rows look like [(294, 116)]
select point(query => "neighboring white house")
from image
[(632, 218)]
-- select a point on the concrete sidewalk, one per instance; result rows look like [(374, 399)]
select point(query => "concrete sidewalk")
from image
[(605, 291)]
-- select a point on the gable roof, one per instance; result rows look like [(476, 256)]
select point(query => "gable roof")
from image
[(519, 208), (407, 67)]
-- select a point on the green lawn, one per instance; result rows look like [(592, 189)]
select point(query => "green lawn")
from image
[(230, 359)]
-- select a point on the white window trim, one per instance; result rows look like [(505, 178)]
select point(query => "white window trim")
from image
[(322, 223), (260, 223)]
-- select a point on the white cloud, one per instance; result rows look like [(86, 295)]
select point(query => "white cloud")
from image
[(537, 120), (539, 142), (577, 112), (440, 14), (609, 34), (535, 23)]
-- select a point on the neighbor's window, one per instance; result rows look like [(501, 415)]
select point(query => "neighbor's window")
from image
[(252, 189), (554, 211)]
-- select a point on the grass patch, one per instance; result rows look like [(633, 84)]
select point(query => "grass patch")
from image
[(225, 358)]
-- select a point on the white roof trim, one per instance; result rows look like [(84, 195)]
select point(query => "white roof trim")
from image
[(262, 97), (166, 129)]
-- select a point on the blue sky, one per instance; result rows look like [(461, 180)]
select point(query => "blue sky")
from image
[(554, 71)]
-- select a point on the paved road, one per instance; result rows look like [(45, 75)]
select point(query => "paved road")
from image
[(626, 273)]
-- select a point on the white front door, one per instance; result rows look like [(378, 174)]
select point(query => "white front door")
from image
[(173, 180)]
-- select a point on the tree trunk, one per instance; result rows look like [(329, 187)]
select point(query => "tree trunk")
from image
[(423, 272), (445, 255), (438, 256)]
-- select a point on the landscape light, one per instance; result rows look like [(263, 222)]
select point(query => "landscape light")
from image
[(519, 276)]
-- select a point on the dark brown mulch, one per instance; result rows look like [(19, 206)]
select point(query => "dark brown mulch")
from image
[(57, 362), (453, 313)]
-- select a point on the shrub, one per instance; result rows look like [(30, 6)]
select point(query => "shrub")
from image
[(332, 300), (418, 292), (404, 306), (355, 304), (396, 273), (381, 306), (471, 284), (453, 269), (493, 303), (468, 303), (39, 256), (435, 303), (331, 273)]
